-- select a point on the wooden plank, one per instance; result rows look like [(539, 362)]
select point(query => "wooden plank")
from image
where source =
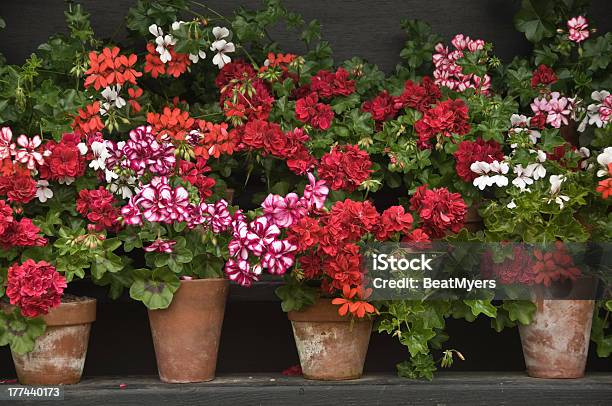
[(447, 388)]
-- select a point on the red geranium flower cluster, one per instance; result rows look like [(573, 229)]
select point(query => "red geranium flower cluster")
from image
[(472, 151), (194, 173), (88, 120), (327, 84), (553, 265), (34, 287), (416, 96), (517, 269), (97, 206), (214, 140), (18, 187), (174, 67), (174, 123), (383, 107), (543, 75), (444, 119), (309, 110), (345, 167), (269, 137), (440, 210), (328, 241), (13, 233), (243, 94), (63, 160), (109, 67)]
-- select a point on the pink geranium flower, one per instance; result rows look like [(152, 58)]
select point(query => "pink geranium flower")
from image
[(161, 245), (578, 29), (279, 257), (315, 192)]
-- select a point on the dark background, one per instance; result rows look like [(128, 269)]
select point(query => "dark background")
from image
[(257, 335)]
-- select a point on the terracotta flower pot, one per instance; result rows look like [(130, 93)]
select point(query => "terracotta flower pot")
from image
[(59, 354), (329, 347), (556, 343), (186, 334)]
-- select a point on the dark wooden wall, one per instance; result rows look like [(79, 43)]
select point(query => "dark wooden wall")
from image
[(257, 336)]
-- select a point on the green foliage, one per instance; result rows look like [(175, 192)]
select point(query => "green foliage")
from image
[(18, 331), (154, 288), (535, 19), (294, 295)]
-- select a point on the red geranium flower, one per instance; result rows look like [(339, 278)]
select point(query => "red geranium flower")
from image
[(445, 119), (327, 84), (472, 151), (420, 96), (345, 167), (309, 110), (353, 301), (18, 188), (382, 108), (543, 75), (97, 206), (88, 120), (174, 123), (393, 220), (35, 287), (22, 233), (440, 210), (63, 159)]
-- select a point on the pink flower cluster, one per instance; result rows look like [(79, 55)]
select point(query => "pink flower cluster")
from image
[(143, 151), (556, 108), (260, 238), (578, 29), (450, 74), (159, 202)]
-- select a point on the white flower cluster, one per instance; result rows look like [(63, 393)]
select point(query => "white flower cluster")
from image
[(221, 46), (490, 174), (598, 113)]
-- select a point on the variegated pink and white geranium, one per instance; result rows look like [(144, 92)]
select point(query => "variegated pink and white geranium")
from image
[(257, 245)]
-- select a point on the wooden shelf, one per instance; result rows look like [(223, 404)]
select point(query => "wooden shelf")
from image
[(257, 389)]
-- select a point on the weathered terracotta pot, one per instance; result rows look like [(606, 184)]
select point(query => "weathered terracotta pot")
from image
[(59, 354), (329, 347), (556, 343), (186, 334)]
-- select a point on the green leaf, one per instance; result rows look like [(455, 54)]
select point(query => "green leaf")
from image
[(520, 310), (295, 295), (155, 289), (481, 306), (20, 332), (535, 19)]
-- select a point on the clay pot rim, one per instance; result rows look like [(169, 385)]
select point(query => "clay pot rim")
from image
[(80, 311), (323, 311), (204, 280)]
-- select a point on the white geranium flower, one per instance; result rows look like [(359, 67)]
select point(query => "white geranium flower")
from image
[(195, 58), (177, 25), (519, 120), (511, 205), (82, 147), (100, 153), (7, 146), (220, 32), (482, 182), (604, 159), (480, 167), (124, 186), (523, 178), (222, 47), (555, 183), (162, 42), (66, 180), (111, 95), (43, 192)]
